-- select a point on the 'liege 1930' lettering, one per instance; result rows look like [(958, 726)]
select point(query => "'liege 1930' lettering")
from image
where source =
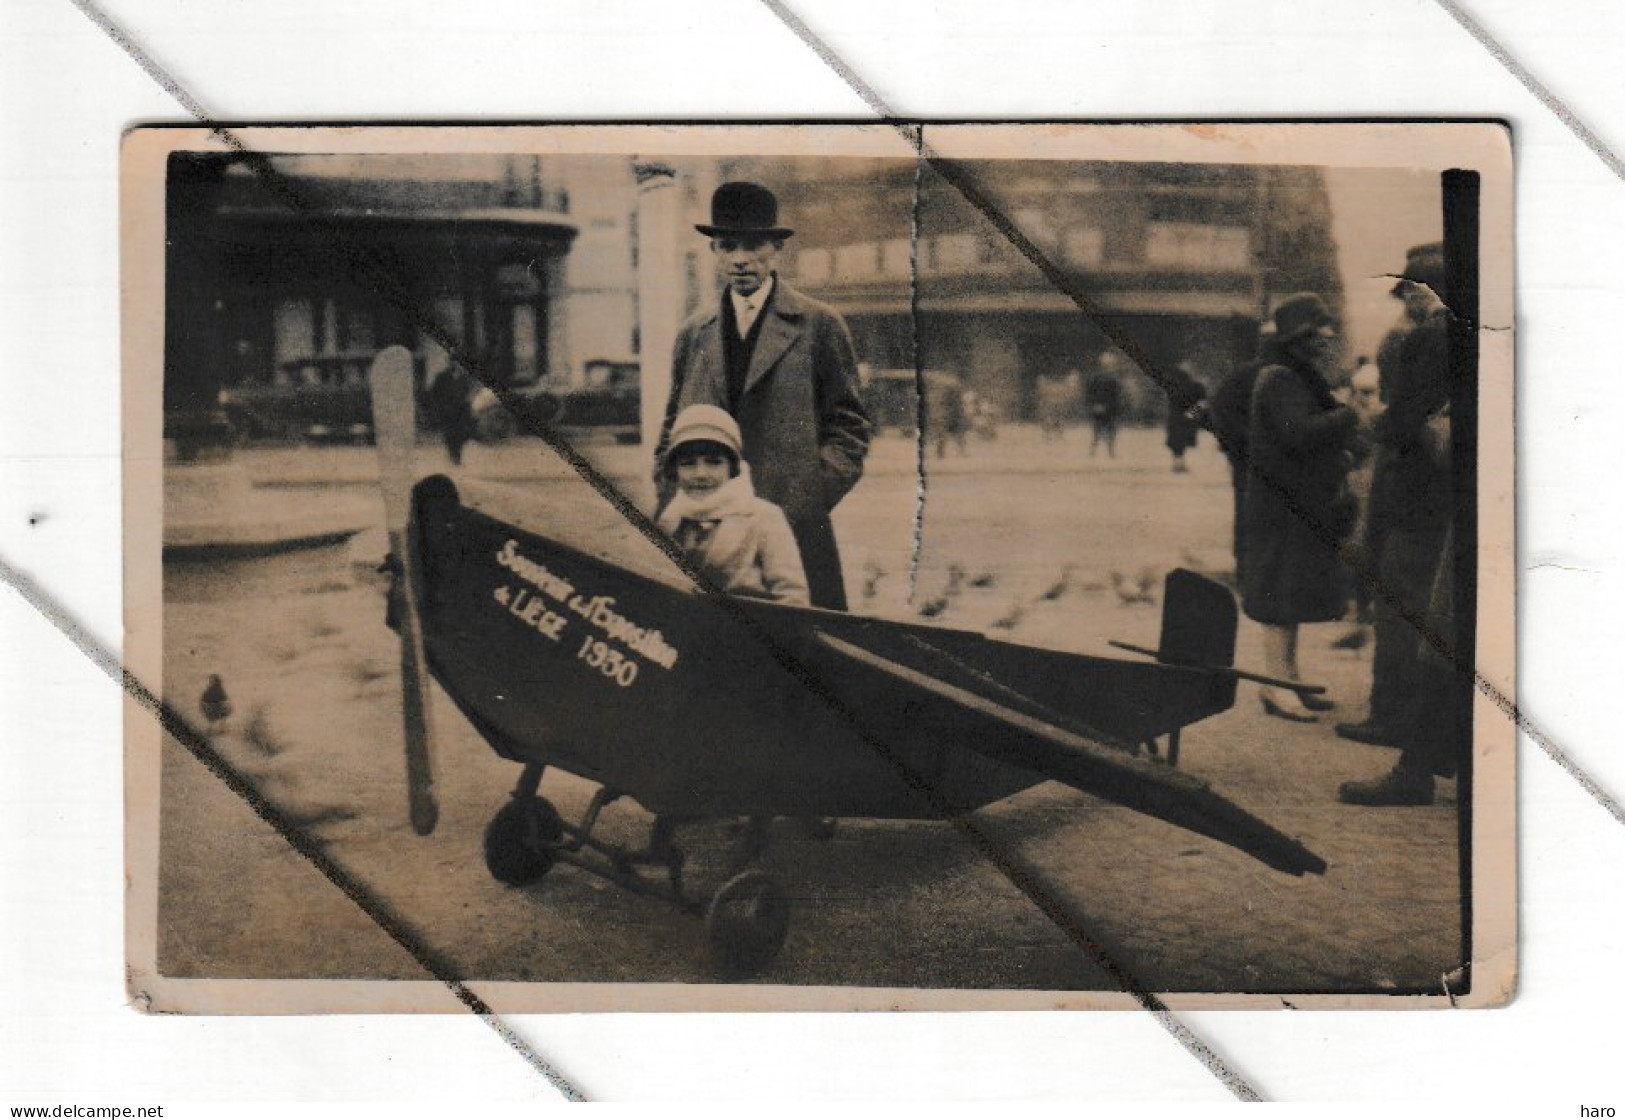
[(609, 661), (531, 609)]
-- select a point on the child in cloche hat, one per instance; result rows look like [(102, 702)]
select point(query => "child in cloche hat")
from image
[(740, 542)]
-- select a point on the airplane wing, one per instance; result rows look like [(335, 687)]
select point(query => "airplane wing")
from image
[(1070, 758)]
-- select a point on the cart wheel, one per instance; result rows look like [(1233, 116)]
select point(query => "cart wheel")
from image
[(519, 840), (747, 921)]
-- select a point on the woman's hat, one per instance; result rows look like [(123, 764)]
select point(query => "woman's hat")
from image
[(705, 423), (1300, 315), (744, 208)]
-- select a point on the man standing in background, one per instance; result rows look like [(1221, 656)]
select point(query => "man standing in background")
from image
[(1410, 502), (783, 366)]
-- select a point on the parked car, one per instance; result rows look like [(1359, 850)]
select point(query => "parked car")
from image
[(528, 407), (611, 399), (323, 398), (609, 402), (892, 396)]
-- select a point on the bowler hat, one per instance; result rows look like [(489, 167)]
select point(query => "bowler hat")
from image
[(1424, 264), (744, 208), (1301, 314)]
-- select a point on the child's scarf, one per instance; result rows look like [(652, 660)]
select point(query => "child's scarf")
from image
[(697, 516)]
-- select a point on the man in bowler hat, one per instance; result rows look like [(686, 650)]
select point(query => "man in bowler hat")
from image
[(783, 366)]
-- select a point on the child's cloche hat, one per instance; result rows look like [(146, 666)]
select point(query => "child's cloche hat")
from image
[(704, 423)]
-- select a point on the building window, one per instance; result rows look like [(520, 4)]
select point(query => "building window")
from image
[(448, 318), (518, 281), (293, 327), (1083, 246), (813, 266), (1197, 245), (955, 252), (857, 262), (1035, 225), (527, 349), (897, 256), (356, 325)]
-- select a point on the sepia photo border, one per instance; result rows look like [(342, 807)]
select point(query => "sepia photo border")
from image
[(1484, 148)]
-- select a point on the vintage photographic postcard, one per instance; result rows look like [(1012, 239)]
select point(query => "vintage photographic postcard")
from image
[(936, 566)]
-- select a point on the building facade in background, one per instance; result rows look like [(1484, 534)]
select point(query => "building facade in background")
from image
[(1185, 259), (285, 274), (290, 272)]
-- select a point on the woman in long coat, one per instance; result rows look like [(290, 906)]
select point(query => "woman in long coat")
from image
[(1298, 507)]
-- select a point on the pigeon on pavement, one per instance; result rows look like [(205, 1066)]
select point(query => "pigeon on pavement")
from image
[(214, 703)]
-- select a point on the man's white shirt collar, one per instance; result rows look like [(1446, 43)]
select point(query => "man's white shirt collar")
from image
[(746, 308)]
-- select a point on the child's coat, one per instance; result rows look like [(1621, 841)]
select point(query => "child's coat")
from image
[(742, 543)]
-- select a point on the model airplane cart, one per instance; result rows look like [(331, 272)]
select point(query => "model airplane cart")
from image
[(701, 707)]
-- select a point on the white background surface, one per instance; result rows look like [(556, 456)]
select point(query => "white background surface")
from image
[(67, 91)]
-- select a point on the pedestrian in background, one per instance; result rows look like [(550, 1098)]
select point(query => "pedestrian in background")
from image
[(1229, 414), (945, 418), (1410, 503), (1186, 395), (1433, 736), (1057, 402), (1364, 398), (447, 402), (1297, 508), (1103, 399)]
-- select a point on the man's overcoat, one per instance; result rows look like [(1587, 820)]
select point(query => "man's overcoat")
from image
[(805, 428)]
